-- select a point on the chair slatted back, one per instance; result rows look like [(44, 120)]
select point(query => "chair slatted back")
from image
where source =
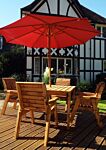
[(32, 95), (63, 81), (99, 89), (9, 84)]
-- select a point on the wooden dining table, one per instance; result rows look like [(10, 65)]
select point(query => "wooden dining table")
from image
[(59, 91)]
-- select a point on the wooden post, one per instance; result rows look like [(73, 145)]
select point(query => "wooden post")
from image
[(49, 54)]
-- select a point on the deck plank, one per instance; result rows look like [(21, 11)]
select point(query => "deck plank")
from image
[(83, 133)]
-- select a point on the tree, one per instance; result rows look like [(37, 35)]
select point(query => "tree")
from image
[(12, 61)]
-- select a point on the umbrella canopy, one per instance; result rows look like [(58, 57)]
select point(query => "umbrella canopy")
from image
[(44, 31)]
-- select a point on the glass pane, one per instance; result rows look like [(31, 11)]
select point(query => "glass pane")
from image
[(68, 66), (37, 66), (45, 64), (104, 65), (99, 29), (76, 66), (54, 66), (104, 31), (61, 66)]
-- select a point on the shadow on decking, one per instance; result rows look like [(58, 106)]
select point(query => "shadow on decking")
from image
[(83, 133)]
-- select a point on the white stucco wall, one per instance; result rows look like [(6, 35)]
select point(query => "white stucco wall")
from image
[(54, 8)]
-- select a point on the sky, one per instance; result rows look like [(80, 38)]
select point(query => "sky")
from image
[(10, 9), (98, 6)]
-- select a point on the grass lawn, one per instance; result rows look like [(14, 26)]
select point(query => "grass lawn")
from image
[(101, 105)]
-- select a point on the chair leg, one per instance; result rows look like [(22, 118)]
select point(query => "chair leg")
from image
[(56, 116), (66, 106), (15, 104), (17, 128), (32, 116), (75, 108), (97, 116), (48, 116), (5, 104)]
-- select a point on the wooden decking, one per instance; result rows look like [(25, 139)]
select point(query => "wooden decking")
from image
[(83, 133)]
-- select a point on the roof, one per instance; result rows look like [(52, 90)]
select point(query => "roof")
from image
[(30, 6), (91, 15), (85, 12)]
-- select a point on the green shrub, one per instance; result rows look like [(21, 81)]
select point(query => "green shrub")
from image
[(12, 61), (19, 77), (84, 86), (1, 84)]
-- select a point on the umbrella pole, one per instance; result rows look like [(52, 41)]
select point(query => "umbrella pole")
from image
[(49, 55)]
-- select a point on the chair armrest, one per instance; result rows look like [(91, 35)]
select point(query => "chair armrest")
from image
[(12, 92), (87, 93), (54, 99), (90, 97)]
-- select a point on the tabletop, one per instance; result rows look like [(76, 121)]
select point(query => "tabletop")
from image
[(59, 89)]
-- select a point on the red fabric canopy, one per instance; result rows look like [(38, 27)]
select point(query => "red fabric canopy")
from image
[(34, 31), (48, 31)]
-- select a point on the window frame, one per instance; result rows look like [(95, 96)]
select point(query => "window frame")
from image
[(101, 30), (57, 64)]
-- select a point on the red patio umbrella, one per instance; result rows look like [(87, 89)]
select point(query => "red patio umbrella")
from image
[(49, 32)]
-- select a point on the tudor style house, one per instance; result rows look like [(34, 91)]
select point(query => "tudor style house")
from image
[(82, 62)]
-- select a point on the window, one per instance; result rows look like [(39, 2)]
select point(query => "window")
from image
[(37, 66), (99, 29), (1, 42), (54, 65), (64, 66), (59, 65), (76, 66), (44, 64), (68, 66), (104, 65), (102, 30)]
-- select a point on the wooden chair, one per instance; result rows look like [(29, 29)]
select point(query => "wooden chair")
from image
[(64, 82), (33, 97), (89, 101), (10, 91)]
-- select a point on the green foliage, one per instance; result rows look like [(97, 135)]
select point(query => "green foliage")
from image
[(100, 77), (102, 106), (12, 62), (45, 79), (84, 86), (19, 77)]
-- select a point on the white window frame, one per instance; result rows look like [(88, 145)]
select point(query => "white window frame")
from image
[(101, 26), (57, 65)]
